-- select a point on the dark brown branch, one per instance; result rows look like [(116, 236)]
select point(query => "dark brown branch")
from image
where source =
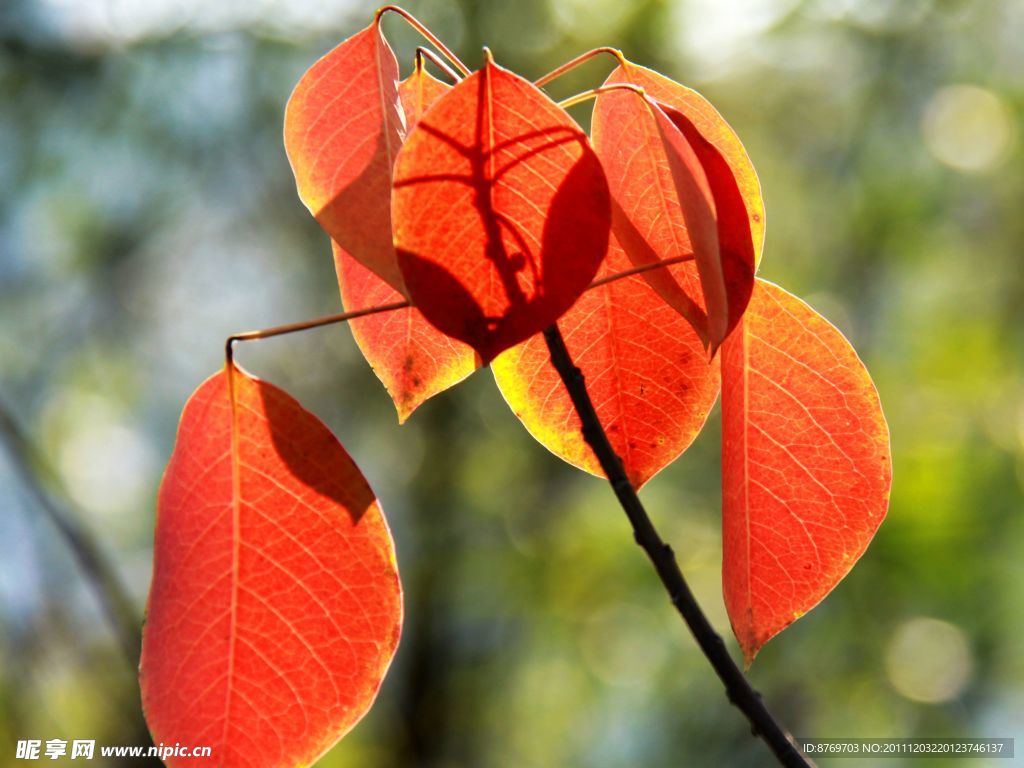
[(37, 475), (737, 687)]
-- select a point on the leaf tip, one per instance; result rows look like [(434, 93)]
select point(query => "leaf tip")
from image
[(711, 346), (749, 654), (404, 409)]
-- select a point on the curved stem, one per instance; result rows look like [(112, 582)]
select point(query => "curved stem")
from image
[(570, 65), (425, 53), (737, 687), (419, 27), (593, 93)]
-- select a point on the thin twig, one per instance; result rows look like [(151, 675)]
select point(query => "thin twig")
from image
[(36, 473), (640, 269), (305, 325), (737, 687), (570, 65), (425, 53), (593, 93), (416, 24)]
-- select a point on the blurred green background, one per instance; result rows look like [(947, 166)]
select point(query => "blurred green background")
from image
[(147, 211)]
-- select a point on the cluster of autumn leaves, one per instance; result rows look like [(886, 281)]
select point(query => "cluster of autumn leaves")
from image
[(486, 213)]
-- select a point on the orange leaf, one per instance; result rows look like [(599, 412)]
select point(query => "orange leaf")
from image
[(676, 98), (645, 369), (733, 271), (275, 605), (500, 209), (342, 130), (805, 464), (413, 359), (655, 220), (418, 92), (662, 204)]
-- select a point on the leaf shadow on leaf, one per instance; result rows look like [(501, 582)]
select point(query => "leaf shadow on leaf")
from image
[(507, 264), (473, 325), (319, 461), (667, 283), (533, 286), (366, 238), (467, 320)]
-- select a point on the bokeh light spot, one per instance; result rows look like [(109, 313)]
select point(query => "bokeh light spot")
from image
[(968, 128), (595, 18), (929, 660), (105, 463)]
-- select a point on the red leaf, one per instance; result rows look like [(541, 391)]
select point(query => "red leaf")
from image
[(275, 606), (655, 220), (342, 130), (645, 369), (500, 209), (413, 359), (805, 464)]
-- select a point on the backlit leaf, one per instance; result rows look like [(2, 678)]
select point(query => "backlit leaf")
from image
[(275, 605), (653, 219), (663, 207), (413, 359), (645, 369), (676, 98), (735, 266), (343, 127), (805, 464), (501, 211), (418, 92)]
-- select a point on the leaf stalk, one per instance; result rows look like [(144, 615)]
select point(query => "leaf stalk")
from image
[(425, 53), (595, 92), (344, 317), (570, 65)]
